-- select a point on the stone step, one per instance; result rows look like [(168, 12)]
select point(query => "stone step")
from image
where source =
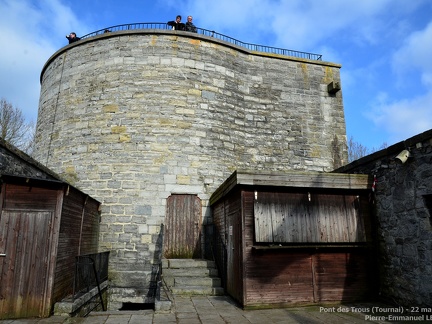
[(197, 281), (198, 290), (187, 263), (205, 281), (191, 277), (190, 272)]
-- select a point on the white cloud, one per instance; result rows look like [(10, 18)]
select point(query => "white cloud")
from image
[(27, 45), (405, 118), (416, 53), (411, 63), (311, 22), (298, 23)]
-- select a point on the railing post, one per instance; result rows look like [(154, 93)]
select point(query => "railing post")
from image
[(97, 283)]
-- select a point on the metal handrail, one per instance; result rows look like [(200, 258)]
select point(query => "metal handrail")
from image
[(85, 278), (210, 33), (96, 275)]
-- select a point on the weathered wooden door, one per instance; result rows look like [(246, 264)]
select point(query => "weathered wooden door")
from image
[(24, 250), (234, 257), (182, 237)]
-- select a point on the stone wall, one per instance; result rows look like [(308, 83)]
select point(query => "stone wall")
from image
[(133, 117), (403, 201)]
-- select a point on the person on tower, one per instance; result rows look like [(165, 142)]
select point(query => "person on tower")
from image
[(190, 26), (72, 37), (176, 24)]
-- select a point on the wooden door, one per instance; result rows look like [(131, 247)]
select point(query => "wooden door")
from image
[(182, 237), (24, 250), (234, 257)]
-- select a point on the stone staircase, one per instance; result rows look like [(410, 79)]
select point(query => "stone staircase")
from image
[(191, 277)]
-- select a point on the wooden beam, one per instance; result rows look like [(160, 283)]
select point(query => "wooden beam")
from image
[(294, 179), (307, 180)]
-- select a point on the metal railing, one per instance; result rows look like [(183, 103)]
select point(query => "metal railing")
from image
[(90, 271), (211, 33)]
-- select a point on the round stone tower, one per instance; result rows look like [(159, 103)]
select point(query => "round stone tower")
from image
[(135, 117)]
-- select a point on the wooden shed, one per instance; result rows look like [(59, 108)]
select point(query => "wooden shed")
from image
[(294, 238), (45, 224)]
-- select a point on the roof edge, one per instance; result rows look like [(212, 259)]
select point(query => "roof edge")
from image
[(293, 179)]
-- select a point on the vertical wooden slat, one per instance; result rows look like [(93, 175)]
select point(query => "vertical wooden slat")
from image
[(314, 277), (8, 238), (4, 226), (263, 225), (23, 264), (311, 221)]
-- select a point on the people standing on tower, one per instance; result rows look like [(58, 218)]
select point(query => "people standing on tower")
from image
[(72, 37), (177, 24), (190, 26)]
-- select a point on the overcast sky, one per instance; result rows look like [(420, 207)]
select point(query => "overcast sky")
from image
[(384, 47)]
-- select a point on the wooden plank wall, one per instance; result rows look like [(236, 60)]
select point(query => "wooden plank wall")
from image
[(226, 213), (278, 277), (273, 276), (343, 276), (290, 277), (303, 275), (90, 227), (30, 198), (79, 231), (309, 218), (73, 230), (68, 245), (219, 239)]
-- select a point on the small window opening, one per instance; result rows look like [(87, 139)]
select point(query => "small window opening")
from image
[(428, 203)]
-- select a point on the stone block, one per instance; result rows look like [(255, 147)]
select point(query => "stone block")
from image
[(146, 238), (143, 210)]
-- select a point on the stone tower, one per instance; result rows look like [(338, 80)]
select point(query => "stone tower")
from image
[(134, 117)]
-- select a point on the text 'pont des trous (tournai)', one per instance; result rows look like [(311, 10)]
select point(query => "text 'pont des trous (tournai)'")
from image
[(377, 313)]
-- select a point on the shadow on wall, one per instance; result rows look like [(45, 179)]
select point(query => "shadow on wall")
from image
[(156, 272)]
